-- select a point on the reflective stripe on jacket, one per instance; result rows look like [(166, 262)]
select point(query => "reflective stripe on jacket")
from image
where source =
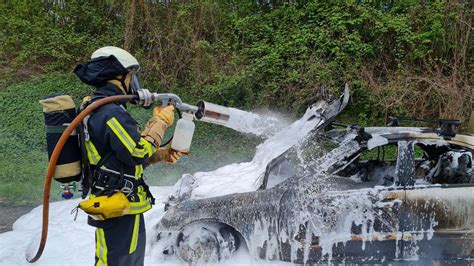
[(113, 131)]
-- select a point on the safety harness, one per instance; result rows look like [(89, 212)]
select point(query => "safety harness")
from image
[(104, 181), (107, 182)]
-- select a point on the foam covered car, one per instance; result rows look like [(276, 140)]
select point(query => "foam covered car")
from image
[(342, 194)]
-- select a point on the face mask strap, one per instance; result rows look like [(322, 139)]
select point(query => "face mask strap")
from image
[(122, 81)]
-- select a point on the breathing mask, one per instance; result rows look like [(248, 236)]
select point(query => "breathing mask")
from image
[(134, 82)]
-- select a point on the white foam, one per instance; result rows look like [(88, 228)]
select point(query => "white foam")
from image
[(260, 125), (244, 177)]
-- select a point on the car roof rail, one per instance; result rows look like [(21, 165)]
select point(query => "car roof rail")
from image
[(445, 126), (339, 124), (362, 135)]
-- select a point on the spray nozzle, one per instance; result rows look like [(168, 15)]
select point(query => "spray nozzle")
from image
[(212, 113), (204, 111)]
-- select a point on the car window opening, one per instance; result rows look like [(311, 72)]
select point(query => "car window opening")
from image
[(427, 163)]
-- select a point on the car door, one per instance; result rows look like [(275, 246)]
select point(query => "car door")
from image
[(436, 221)]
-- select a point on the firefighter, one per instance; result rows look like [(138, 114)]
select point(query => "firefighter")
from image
[(117, 154)]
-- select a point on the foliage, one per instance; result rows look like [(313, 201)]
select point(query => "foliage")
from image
[(391, 52), (408, 57), (400, 57), (56, 34)]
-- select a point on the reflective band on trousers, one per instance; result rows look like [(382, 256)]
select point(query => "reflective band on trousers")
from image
[(139, 208), (136, 227), (142, 205), (101, 247)]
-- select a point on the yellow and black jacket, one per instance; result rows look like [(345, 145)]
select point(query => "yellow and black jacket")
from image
[(113, 133)]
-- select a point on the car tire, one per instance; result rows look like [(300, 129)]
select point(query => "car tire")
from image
[(207, 243)]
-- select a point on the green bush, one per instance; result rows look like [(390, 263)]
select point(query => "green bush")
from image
[(403, 57), (408, 57), (55, 34), (381, 48)]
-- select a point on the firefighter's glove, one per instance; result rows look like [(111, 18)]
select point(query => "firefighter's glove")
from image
[(165, 155), (154, 131), (174, 156), (165, 114), (105, 207)]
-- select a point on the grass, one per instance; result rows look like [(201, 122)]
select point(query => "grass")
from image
[(23, 158), (388, 152)]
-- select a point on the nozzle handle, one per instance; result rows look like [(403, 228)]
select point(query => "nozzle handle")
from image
[(170, 98), (167, 98)]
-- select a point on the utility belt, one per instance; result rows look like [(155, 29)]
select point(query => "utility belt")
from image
[(107, 182), (110, 191)]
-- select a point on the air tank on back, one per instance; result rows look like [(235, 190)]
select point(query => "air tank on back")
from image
[(59, 111)]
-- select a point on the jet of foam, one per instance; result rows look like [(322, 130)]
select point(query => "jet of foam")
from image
[(222, 181), (248, 122)]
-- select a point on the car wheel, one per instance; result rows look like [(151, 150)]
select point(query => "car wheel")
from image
[(207, 243)]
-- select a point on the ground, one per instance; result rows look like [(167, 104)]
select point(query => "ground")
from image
[(10, 215)]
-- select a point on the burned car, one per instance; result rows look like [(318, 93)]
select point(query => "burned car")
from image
[(344, 194)]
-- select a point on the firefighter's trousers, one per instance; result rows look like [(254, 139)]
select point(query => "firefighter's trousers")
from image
[(120, 241)]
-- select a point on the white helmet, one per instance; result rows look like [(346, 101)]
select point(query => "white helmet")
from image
[(125, 58)]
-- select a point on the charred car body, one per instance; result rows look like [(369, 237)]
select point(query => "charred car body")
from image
[(345, 194)]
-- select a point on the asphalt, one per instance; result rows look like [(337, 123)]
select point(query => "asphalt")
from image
[(8, 215)]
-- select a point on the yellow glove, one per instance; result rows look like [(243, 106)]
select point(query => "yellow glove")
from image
[(174, 156), (155, 128), (165, 155), (165, 114)]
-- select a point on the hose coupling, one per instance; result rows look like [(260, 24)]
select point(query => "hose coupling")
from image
[(145, 97)]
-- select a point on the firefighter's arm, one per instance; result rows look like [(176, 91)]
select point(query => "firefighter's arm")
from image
[(155, 128), (128, 145), (162, 118)]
